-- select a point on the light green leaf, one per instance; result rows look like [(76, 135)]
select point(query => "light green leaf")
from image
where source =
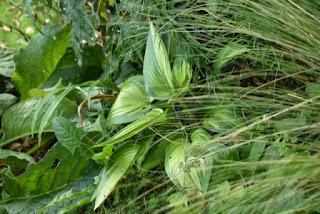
[(6, 100), (113, 171), (151, 118), (57, 168), (156, 68), (228, 53), (132, 102), (67, 133), (175, 162), (257, 150), (6, 63), (38, 60), (182, 73), (17, 120)]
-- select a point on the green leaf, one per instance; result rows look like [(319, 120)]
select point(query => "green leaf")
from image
[(17, 121), (156, 68), (38, 60), (16, 160), (175, 162), (257, 150), (151, 118), (181, 73), (228, 53), (57, 168), (69, 71), (74, 194), (6, 100), (132, 102), (113, 171), (67, 133), (154, 157), (6, 63)]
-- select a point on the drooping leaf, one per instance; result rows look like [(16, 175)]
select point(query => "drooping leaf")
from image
[(57, 168), (132, 102), (6, 63), (113, 171), (181, 73), (156, 68), (17, 120), (175, 162), (67, 133), (228, 53), (151, 118), (64, 200), (6, 100), (69, 71), (37, 61)]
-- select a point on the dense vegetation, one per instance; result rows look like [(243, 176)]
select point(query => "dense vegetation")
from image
[(200, 106)]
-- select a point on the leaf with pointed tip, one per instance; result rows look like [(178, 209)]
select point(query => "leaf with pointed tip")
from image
[(132, 102), (113, 171), (151, 118), (156, 68), (181, 73)]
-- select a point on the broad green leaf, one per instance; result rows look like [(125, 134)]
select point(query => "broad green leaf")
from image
[(156, 68), (6, 100), (175, 157), (181, 73), (37, 61), (132, 102), (16, 160), (69, 71), (6, 63), (113, 171), (75, 194), (228, 53), (17, 120), (57, 168), (151, 118), (67, 133), (179, 201)]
